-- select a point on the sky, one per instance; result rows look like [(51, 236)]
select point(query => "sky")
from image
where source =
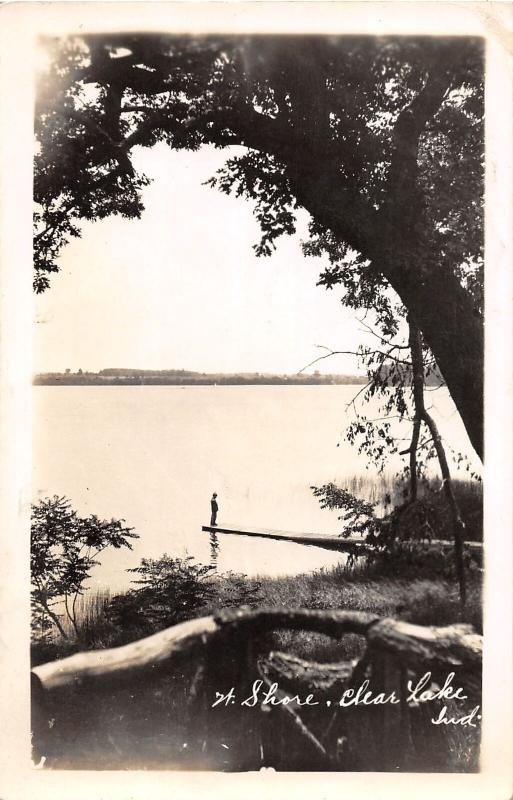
[(182, 288)]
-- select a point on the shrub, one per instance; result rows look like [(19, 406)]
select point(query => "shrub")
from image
[(232, 589), (401, 540), (170, 590), (63, 550)]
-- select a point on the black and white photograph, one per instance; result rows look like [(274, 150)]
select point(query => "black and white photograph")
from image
[(260, 329)]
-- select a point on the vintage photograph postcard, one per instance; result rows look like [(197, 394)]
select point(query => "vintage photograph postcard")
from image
[(256, 399)]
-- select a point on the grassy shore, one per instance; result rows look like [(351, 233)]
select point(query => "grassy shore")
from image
[(422, 600)]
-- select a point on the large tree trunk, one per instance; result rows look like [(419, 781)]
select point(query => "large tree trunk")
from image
[(443, 311), (440, 306)]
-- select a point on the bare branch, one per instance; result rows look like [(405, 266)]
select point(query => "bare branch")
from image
[(328, 355), (357, 395), (381, 338), (423, 414)]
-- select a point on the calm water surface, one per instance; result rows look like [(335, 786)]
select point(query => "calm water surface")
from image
[(153, 455)]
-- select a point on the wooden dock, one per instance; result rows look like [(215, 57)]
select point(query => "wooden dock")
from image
[(310, 539), (339, 544)]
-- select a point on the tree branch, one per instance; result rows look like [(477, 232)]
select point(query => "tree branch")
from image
[(422, 414), (354, 353), (410, 124), (85, 120)]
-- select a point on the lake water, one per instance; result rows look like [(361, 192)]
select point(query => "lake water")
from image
[(153, 455)]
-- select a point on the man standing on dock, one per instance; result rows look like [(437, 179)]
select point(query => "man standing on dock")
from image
[(214, 507)]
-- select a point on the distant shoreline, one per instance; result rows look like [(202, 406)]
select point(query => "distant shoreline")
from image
[(115, 377)]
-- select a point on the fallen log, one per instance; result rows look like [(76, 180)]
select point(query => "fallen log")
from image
[(452, 646), (301, 676)]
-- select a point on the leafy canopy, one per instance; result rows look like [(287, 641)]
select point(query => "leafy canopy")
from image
[(291, 103)]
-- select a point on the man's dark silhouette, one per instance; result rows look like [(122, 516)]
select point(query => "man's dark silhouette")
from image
[(214, 507)]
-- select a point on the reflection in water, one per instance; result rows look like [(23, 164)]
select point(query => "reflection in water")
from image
[(214, 549)]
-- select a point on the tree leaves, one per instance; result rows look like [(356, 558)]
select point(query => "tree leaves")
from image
[(309, 98), (170, 590), (359, 515), (261, 178), (64, 549)]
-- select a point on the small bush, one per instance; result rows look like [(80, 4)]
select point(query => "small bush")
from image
[(171, 590), (63, 551), (384, 492), (419, 558), (232, 589)]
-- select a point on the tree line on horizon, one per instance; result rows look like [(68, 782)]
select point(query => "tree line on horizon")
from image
[(181, 377)]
